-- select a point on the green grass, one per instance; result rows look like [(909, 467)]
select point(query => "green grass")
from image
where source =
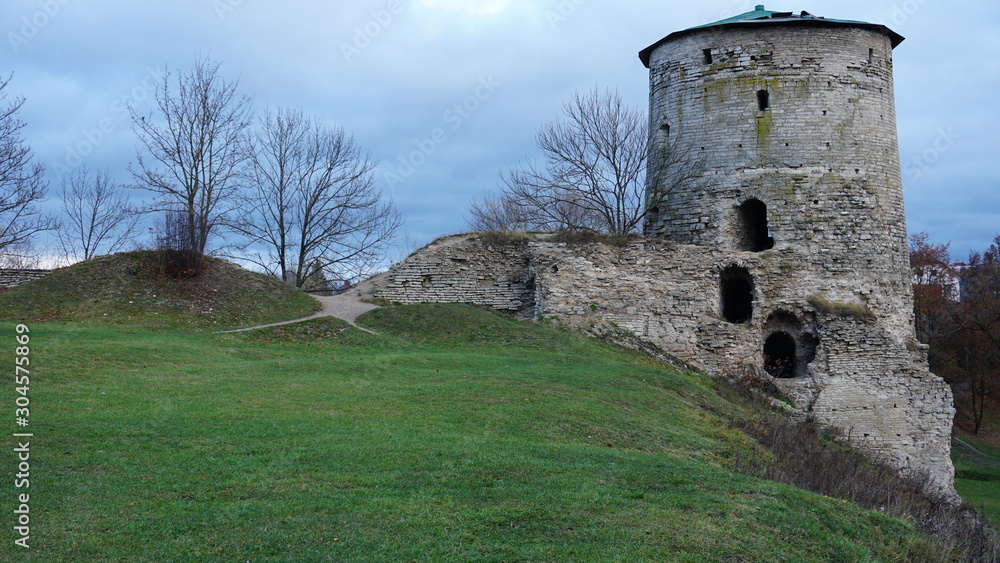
[(977, 474), (453, 435), (128, 289)]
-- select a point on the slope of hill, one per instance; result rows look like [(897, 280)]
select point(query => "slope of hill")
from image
[(454, 435), (129, 288)]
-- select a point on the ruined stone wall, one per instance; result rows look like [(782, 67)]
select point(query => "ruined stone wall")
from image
[(885, 400), (456, 270), (14, 277), (853, 372)]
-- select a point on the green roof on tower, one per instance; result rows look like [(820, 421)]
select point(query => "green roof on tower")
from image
[(760, 16)]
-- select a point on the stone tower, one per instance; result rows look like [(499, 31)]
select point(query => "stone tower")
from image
[(788, 124), (793, 118), (780, 252)]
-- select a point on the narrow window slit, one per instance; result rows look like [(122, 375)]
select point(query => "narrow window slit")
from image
[(763, 100)]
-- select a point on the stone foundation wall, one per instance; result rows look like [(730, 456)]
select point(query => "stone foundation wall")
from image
[(12, 278), (865, 377)]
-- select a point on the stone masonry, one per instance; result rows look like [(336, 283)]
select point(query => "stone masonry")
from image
[(13, 277), (787, 256)]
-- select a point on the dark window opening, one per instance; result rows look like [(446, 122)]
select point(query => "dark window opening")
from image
[(871, 55), (666, 129), (779, 355), (763, 100), (707, 54), (737, 295), (752, 225)]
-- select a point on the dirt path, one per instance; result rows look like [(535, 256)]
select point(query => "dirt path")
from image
[(347, 306)]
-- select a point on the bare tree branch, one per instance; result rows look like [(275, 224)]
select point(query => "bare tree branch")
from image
[(594, 173), (22, 182), (312, 207), (195, 145), (100, 217), (502, 213)]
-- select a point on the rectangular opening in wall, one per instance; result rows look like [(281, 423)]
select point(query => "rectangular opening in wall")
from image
[(707, 56), (763, 100), (871, 55)]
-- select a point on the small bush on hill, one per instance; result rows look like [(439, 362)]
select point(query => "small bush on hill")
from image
[(175, 254), (505, 238), (578, 237)]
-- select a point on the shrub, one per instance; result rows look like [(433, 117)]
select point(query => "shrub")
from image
[(578, 237), (505, 238), (612, 239), (811, 457), (176, 253)]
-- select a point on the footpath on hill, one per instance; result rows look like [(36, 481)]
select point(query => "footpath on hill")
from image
[(346, 306)]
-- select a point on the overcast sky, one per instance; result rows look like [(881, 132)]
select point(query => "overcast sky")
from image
[(445, 93)]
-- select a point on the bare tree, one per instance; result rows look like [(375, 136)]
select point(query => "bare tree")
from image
[(20, 256), (595, 168), (500, 213), (935, 285), (980, 318), (196, 146), (22, 183), (311, 205), (100, 219)]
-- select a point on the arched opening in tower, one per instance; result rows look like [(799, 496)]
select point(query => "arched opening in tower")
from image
[(779, 355), (753, 234), (737, 295)]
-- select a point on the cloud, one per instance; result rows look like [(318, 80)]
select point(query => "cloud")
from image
[(416, 59)]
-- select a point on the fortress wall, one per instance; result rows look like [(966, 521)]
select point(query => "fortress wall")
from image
[(886, 403), (449, 272)]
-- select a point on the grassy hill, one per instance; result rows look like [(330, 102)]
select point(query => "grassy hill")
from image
[(128, 288), (452, 435)]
